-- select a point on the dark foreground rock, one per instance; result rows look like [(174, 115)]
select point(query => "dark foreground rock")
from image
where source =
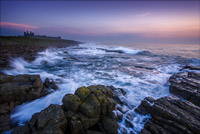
[(178, 113), (187, 86), (170, 115), (15, 90), (88, 111)]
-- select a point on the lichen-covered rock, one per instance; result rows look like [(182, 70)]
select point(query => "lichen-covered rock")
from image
[(71, 102), (82, 93), (107, 91), (91, 106), (89, 111)]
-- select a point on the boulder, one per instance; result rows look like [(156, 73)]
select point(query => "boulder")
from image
[(82, 93), (109, 124), (91, 106), (50, 84), (51, 120), (80, 113), (71, 102), (170, 115), (15, 90), (187, 86)]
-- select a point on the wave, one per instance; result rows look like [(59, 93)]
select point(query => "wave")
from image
[(139, 73)]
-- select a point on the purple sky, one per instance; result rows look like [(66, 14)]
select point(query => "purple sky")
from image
[(131, 22)]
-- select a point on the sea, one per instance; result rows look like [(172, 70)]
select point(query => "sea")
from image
[(141, 70)]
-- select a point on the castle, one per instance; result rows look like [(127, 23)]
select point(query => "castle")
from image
[(31, 34)]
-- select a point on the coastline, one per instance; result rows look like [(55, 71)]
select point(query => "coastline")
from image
[(27, 47), (31, 51)]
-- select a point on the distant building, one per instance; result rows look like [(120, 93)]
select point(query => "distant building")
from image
[(31, 34)]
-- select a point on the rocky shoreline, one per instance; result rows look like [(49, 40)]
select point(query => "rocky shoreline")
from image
[(178, 113), (15, 90), (90, 110), (27, 47), (87, 111), (96, 109)]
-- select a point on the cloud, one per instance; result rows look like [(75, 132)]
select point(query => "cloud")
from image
[(12, 25), (144, 14)]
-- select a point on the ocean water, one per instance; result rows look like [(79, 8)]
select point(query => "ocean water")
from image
[(140, 73)]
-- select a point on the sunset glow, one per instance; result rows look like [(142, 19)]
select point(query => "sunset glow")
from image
[(83, 20)]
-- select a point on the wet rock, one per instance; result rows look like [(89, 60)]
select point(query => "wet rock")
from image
[(71, 102), (109, 124), (190, 67), (15, 90), (91, 107), (22, 129), (187, 86), (93, 132), (171, 115), (82, 93), (83, 112), (76, 125), (50, 84), (51, 120)]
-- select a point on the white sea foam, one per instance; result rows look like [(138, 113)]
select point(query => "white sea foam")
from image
[(91, 65)]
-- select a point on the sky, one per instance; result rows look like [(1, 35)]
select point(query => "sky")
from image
[(114, 22)]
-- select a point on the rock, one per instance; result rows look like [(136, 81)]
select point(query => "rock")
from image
[(71, 102), (15, 90), (107, 91), (93, 132), (109, 124), (50, 83), (82, 93), (187, 86), (190, 67), (20, 88), (51, 120), (91, 107), (171, 115), (82, 113), (87, 122), (22, 129), (76, 125)]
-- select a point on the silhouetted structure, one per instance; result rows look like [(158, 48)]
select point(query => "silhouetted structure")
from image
[(29, 34)]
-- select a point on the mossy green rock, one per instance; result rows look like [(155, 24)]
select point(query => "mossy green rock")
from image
[(71, 102), (102, 99), (90, 107), (82, 93), (107, 91)]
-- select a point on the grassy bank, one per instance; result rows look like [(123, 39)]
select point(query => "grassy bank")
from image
[(33, 41)]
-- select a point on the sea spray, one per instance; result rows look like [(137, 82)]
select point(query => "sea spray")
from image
[(139, 74)]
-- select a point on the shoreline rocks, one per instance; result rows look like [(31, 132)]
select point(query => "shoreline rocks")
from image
[(88, 111), (177, 113), (15, 90), (27, 47)]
